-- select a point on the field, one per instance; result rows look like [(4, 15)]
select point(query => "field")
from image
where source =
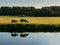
[(32, 20)]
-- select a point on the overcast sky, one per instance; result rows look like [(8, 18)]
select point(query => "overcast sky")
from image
[(35, 3)]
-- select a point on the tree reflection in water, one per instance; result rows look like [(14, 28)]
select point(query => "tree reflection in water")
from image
[(23, 34)]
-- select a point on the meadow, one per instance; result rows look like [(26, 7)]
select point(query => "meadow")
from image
[(32, 20), (36, 24)]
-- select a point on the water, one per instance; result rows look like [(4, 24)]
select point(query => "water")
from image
[(7, 38)]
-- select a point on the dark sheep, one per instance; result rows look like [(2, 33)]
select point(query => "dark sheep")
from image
[(24, 20), (14, 21)]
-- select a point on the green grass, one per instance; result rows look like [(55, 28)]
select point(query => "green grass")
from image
[(29, 28)]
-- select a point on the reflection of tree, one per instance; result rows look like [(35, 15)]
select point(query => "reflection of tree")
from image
[(24, 34), (14, 34)]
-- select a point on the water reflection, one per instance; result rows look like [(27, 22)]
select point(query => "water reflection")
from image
[(22, 34), (16, 38), (14, 34)]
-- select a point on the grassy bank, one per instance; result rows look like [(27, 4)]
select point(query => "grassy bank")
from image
[(29, 28), (31, 20)]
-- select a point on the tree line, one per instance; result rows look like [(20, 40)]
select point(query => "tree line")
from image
[(30, 11)]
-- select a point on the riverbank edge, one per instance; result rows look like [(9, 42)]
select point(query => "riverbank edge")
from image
[(29, 28)]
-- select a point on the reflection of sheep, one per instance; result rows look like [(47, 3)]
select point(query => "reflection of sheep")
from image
[(24, 34), (14, 21), (14, 34), (24, 20)]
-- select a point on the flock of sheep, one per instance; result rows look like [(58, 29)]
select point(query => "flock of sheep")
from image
[(21, 20)]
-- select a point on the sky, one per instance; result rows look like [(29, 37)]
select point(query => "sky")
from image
[(35, 3)]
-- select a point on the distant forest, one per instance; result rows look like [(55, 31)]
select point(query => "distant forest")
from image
[(51, 11)]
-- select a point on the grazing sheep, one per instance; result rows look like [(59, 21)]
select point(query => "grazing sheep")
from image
[(24, 20), (14, 21)]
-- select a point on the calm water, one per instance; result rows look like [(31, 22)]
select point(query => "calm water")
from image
[(31, 39)]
